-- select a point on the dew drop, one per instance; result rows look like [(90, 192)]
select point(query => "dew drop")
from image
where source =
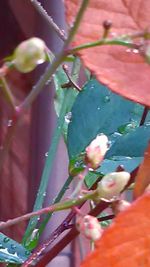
[(13, 246), (46, 154), (128, 50), (98, 108), (1, 246), (107, 99), (27, 253), (48, 81), (135, 51), (68, 117), (6, 239), (9, 123)]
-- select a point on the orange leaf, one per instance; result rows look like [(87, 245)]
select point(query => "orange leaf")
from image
[(143, 175), (127, 241), (125, 73)]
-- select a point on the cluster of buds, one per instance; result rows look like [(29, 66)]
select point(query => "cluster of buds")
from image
[(89, 227), (96, 151), (112, 184), (29, 54)]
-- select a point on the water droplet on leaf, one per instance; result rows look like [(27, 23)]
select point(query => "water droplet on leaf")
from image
[(68, 117)]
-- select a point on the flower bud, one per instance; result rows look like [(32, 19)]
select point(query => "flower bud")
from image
[(96, 151), (112, 184), (89, 226), (29, 54)]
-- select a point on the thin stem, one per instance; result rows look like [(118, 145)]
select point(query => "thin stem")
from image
[(7, 92), (41, 248), (47, 168), (60, 58), (32, 96), (144, 115), (57, 199), (50, 70), (52, 253), (56, 207), (71, 83), (79, 16), (100, 43), (48, 19)]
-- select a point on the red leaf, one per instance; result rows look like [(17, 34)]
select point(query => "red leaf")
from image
[(143, 175), (127, 241), (125, 73)]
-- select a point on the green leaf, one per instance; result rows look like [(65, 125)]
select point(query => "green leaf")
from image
[(97, 110), (110, 165), (11, 251), (60, 78), (67, 103), (132, 144)]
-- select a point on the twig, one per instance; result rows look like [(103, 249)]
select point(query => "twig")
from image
[(101, 42), (48, 74), (56, 207), (144, 115), (71, 83), (41, 248), (122, 40), (48, 19), (68, 238)]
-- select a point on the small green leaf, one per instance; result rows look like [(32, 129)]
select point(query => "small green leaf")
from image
[(11, 251)]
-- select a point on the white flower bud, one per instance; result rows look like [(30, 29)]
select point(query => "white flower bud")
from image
[(112, 184), (29, 54), (96, 151), (89, 226)]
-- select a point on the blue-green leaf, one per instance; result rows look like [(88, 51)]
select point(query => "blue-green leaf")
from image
[(132, 144), (11, 251), (110, 165), (97, 110)]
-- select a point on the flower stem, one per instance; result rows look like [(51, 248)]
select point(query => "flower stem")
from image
[(56, 207), (7, 92)]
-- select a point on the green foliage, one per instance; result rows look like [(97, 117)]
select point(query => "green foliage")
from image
[(132, 144), (96, 110), (11, 251)]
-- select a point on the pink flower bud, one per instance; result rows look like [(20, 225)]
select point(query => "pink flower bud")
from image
[(89, 226), (29, 54), (96, 151), (112, 184)]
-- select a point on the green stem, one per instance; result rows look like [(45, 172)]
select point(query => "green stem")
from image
[(31, 97), (40, 84), (48, 166), (56, 207), (57, 199), (77, 21), (100, 43), (7, 92)]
